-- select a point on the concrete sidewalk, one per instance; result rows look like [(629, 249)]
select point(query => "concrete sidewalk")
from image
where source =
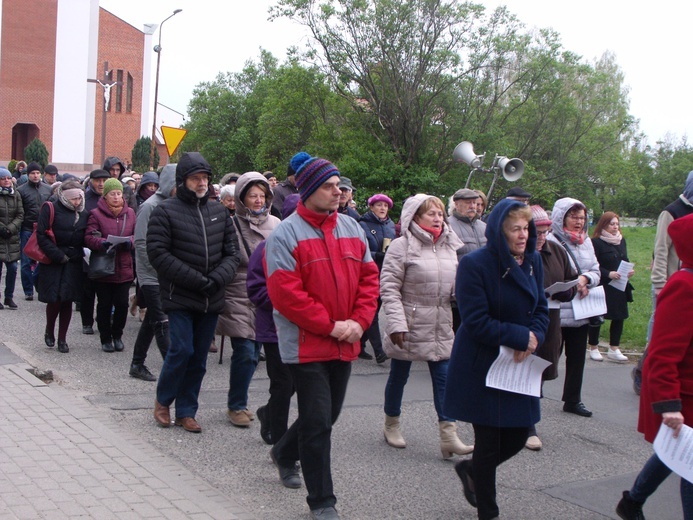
[(59, 458)]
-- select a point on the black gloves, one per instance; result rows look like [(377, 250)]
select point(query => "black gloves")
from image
[(209, 288), (5, 232)]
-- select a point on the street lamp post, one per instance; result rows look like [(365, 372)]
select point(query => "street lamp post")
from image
[(157, 49)]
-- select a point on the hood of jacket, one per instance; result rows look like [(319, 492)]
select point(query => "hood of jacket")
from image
[(244, 183), (191, 162), (112, 161), (560, 208), (496, 237), (167, 180), (148, 178), (411, 206), (680, 231), (688, 188)]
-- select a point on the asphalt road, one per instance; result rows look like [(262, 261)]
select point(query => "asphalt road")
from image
[(580, 473)]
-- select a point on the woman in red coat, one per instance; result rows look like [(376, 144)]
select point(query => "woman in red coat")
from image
[(112, 217), (667, 385)]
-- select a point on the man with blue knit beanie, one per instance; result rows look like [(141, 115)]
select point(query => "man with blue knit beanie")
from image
[(324, 287)]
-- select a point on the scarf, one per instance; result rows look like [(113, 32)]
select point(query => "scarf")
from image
[(65, 201), (614, 240), (145, 194), (433, 231), (575, 238), (116, 210), (7, 191)]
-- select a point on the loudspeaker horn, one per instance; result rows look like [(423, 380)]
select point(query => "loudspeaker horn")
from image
[(464, 152), (512, 169)]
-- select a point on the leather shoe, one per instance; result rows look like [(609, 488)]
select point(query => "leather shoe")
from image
[(265, 431), (49, 339), (62, 346), (462, 469), (107, 347), (162, 414), (324, 513), (118, 345), (287, 474), (381, 358), (577, 409), (189, 424), (87, 329), (365, 355)]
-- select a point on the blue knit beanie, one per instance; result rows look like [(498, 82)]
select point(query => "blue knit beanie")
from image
[(311, 172)]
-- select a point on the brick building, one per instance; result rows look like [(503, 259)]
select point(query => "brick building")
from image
[(52, 52)]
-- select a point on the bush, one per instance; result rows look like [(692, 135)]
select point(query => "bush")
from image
[(141, 154), (36, 151), (12, 165)]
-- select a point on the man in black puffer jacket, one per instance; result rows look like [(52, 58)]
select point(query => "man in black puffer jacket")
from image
[(192, 245)]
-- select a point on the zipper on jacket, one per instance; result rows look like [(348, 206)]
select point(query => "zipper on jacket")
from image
[(204, 236)]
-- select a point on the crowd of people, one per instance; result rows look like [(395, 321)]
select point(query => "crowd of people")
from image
[(291, 273)]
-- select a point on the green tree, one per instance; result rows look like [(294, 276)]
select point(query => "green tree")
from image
[(141, 154), (36, 151)]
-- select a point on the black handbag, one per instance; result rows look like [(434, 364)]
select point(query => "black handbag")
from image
[(103, 264)]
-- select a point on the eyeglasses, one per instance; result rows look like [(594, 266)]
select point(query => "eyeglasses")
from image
[(543, 233), (575, 217)]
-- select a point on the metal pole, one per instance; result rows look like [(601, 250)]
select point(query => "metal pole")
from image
[(157, 49)]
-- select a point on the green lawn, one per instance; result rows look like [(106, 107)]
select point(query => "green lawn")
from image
[(640, 241)]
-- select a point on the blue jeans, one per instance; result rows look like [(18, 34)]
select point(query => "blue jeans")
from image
[(185, 364), (244, 360), (653, 473), (27, 278), (10, 278), (399, 374)]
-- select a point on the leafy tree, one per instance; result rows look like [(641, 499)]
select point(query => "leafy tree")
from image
[(141, 154), (36, 151)]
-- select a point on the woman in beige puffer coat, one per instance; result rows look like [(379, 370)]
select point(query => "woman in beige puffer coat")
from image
[(417, 285)]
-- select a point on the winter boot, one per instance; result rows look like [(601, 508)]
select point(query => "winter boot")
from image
[(629, 509), (393, 435), (449, 441)]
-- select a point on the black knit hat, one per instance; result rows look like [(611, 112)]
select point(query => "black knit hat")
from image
[(33, 166)]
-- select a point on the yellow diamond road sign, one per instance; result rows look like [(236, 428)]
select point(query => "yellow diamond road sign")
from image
[(172, 138)]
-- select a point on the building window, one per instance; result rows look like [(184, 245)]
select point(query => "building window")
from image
[(119, 91), (128, 94)]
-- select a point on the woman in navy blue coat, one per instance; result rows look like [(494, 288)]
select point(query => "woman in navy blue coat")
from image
[(508, 308)]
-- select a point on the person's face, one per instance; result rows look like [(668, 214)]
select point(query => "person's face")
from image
[(480, 206), (137, 177), (344, 196), (254, 198), (380, 209), (49, 178), (115, 171), (272, 182), (229, 202), (326, 198), (516, 233), (542, 232), (150, 187), (198, 183), (575, 220), (5, 182), (114, 197), (97, 185), (34, 176), (76, 201), (132, 184), (613, 226), (466, 207), (433, 218)]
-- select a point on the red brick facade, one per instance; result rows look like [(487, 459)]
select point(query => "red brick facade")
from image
[(122, 46), (27, 74)]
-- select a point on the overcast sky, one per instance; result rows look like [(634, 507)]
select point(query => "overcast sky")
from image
[(650, 43)]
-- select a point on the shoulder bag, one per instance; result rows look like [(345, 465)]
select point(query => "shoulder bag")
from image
[(103, 264), (32, 249)]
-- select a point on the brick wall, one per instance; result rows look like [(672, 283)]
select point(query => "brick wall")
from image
[(27, 75), (122, 46)]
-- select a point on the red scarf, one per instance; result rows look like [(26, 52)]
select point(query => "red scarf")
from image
[(436, 232), (575, 238)]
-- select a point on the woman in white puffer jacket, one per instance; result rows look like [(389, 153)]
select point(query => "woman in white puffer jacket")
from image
[(417, 285)]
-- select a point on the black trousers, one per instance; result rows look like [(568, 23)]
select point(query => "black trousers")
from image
[(615, 333), (320, 389), (111, 296), (86, 306), (575, 344), (155, 325), (281, 389), (492, 447)]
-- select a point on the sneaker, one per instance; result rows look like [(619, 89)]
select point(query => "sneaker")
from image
[(141, 372), (87, 329), (238, 418), (595, 355), (289, 475), (629, 509), (324, 513), (107, 347), (9, 302), (614, 354)]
